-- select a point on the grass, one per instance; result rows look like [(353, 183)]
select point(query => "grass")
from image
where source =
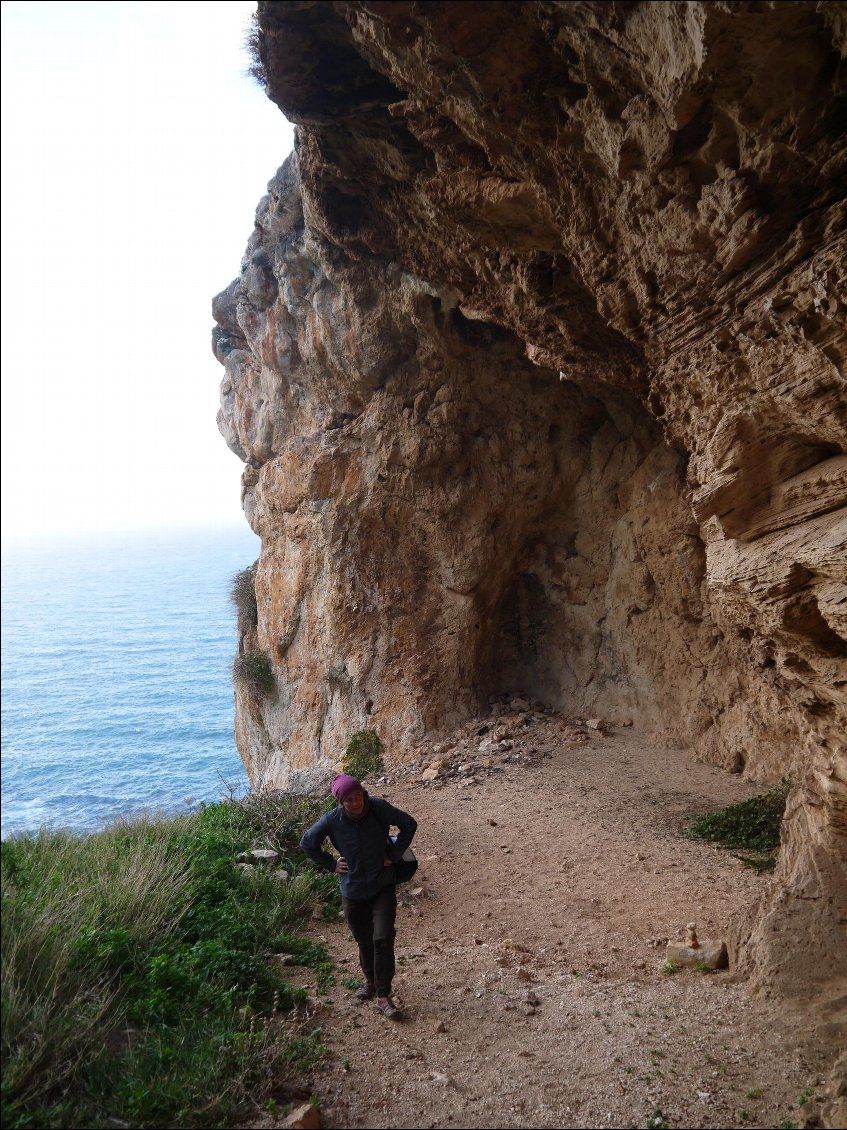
[(314, 956), (751, 826), (136, 988), (253, 672), (363, 757)]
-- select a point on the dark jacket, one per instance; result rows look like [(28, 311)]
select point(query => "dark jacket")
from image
[(363, 842)]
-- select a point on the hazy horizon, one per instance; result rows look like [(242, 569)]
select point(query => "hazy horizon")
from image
[(14, 539)]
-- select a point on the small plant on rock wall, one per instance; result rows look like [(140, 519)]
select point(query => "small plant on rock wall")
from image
[(253, 46), (253, 673), (242, 594), (221, 341), (363, 757)]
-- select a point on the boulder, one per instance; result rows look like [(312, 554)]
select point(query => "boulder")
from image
[(305, 1117), (707, 954)]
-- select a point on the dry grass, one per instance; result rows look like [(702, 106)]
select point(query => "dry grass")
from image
[(242, 594), (253, 673), (135, 985), (54, 1004)]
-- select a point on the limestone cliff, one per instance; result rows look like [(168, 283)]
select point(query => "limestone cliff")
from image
[(536, 361)]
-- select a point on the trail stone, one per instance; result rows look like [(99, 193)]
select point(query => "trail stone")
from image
[(265, 855), (711, 954), (305, 1117), (494, 745)]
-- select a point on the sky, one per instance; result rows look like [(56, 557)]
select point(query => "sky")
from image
[(134, 152)]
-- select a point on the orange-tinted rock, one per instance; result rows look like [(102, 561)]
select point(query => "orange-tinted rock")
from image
[(537, 364)]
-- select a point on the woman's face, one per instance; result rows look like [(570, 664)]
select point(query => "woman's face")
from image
[(354, 802)]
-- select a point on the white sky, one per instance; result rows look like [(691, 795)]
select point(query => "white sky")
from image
[(134, 153)]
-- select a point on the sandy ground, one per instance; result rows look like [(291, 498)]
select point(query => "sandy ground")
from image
[(531, 945)]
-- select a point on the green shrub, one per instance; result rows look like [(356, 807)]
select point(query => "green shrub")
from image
[(135, 985), (277, 819), (752, 825), (253, 672), (242, 594), (363, 757)]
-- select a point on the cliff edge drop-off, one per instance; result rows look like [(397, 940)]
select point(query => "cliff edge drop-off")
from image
[(536, 364)]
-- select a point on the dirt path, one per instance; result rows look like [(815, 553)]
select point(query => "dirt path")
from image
[(530, 956)]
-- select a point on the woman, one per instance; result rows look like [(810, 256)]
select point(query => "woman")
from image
[(359, 829)]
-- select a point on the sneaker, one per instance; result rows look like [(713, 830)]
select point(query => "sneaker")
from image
[(364, 992), (388, 1008)]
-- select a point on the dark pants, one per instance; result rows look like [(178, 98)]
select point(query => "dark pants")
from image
[(371, 923)]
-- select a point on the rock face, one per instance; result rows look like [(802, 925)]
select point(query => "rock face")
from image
[(536, 362)]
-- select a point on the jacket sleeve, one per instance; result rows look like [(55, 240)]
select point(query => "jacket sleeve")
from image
[(407, 825), (311, 841)]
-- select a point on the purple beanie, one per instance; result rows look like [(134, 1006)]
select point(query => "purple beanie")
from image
[(342, 785)]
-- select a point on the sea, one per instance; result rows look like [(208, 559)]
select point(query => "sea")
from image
[(116, 688)]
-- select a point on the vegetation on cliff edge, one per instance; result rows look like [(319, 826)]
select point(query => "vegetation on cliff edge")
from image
[(253, 673), (242, 595), (136, 983)]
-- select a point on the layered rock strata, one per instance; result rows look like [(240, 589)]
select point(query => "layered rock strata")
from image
[(536, 362)]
